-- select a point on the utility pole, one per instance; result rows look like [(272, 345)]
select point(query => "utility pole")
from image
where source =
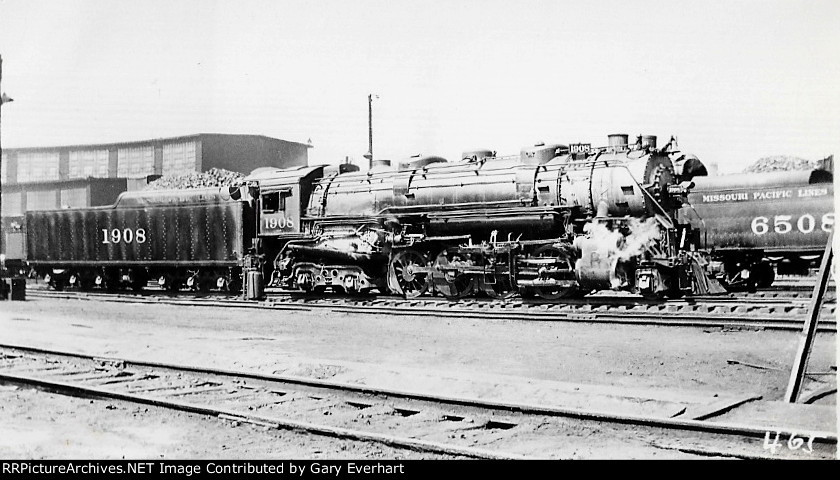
[(369, 155), (3, 99)]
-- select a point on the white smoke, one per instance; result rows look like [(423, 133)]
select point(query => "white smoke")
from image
[(642, 235)]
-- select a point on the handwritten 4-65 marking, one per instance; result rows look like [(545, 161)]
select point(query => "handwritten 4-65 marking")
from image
[(785, 223), (125, 235), (793, 443)]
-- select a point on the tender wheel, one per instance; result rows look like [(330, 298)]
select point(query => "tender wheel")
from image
[(170, 284), (404, 274), (451, 284), (554, 293), (205, 286), (55, 281), (86, 284), (111, 280), (139, 282), (764, 274)]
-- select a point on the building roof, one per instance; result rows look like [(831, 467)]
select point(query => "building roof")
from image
[(67, 183), (146, 142)]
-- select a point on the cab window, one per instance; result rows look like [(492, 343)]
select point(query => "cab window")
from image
[(274, 201)]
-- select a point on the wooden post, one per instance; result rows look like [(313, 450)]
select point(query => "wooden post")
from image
[(800, 363)]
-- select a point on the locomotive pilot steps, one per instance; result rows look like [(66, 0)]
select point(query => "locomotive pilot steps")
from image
[(554, 221)]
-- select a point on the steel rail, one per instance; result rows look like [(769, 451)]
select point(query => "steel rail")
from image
[(691, 425), (666, 315), (280, 423)]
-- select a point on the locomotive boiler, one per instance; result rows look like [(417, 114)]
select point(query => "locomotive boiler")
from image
[(555, 221)]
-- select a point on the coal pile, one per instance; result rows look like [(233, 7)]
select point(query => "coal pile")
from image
[(781, 163), (215, 177)]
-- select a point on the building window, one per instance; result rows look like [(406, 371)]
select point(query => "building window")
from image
[(41, 200), (179, 158), (73, 198), (136, 162), (37, 166), (88, 163), (12, 204)]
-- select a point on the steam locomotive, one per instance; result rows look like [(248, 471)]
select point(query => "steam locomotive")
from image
[(553, 222)]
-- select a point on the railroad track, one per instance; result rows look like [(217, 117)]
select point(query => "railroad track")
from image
[(446, 426), (730, 311)]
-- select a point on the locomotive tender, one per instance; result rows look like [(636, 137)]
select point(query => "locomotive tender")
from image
[(192, 238), (555, 221), (754, 221)]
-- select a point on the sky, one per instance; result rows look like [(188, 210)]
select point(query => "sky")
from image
[(734, 81)]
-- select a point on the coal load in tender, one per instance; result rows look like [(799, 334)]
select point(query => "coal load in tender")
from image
[(780, 163), (215, 177)]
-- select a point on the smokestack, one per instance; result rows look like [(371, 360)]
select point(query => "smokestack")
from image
[(618, 141)]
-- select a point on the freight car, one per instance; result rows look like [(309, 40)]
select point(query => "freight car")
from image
[(554, 221), (754, 224)]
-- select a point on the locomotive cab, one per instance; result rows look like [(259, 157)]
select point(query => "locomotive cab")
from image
[(281, 197)]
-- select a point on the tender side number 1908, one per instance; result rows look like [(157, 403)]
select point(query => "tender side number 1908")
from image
[(785, 223), (126, 235)]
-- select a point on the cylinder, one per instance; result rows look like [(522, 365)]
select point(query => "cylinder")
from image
[(600, 266), (618, 140)]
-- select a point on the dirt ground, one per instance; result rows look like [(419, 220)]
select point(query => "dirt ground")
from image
[(565, 364), (52, 426)]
